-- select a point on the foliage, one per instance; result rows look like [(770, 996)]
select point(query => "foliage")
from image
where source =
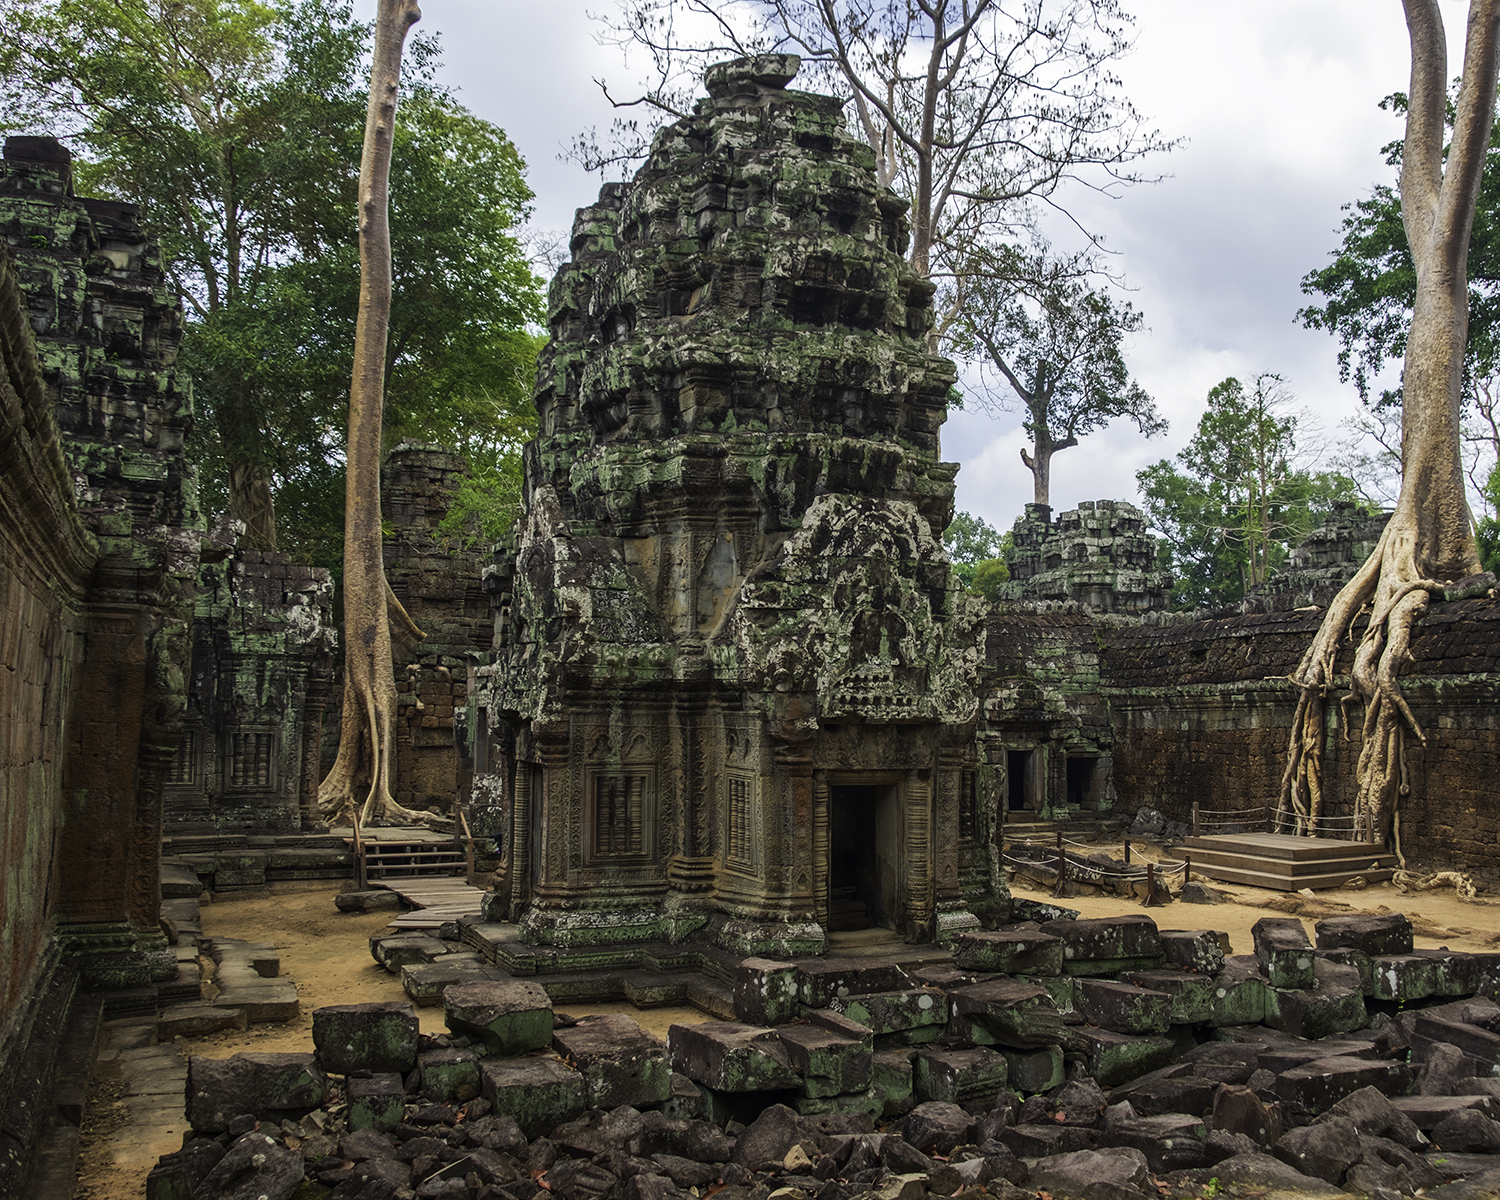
[(1238, 499), (237, 125), (1370, 288), (989, 575), (976, 549), (975, 109), (1057, 342)]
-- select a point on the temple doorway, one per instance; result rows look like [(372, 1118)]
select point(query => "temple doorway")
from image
[(862, 854)]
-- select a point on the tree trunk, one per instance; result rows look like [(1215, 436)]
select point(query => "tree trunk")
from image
[(1039, 463), (1429, 542), (250, 502), (367, 743)]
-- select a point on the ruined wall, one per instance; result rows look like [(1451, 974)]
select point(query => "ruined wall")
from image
[(46, 556), (436, 576), (1202, 711), (1098, 554), (262, 671), (107, 326)]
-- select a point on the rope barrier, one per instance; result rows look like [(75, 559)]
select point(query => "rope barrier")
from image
[(1220, 812)]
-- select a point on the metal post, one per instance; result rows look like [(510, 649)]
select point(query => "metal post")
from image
[(1127, 852), (1187, 867), (1062, 871), (359, 855), (1195, 818)]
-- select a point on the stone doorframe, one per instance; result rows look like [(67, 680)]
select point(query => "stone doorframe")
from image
[(912, 808)]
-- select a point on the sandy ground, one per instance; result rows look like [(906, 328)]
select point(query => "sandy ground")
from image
[(327, 953)]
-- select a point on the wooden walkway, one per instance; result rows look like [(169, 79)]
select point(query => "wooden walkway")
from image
[(436, 900), (1285, 862)]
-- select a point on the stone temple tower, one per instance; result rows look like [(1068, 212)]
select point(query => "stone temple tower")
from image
[(733, 688)]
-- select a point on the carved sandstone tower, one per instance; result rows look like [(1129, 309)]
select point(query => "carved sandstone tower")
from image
[(733, 688)]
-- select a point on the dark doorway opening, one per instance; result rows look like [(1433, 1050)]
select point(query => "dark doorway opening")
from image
[(854, 891), (1081, 791), (1017, 772)]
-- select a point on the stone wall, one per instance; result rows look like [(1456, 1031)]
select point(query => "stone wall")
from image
[(436, 576)]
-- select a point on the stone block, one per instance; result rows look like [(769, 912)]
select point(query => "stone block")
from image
[(829, 1063), (1170, 1142), (374, 900), (1239, 1110), (838, 1023), (1032, 1071), (427, 982), (1108, 945), (1012, 1012), (891, 1079), (730, 1057), (376, 1102), (1241, 994), (1179, 1094), (196, 1020), (1200, 950), (1009, 951), (620, 1062), (1358, 960), (1318, 1085), (823, 981), (1455, 973), (894, 1012), (450, 1075), (1190, 996), (1121, 1170), (937, 1127), (869, 1103), (261, 1085), (378, 1037), (394, 951), (1336, 1004), (1324, 1151), (1370, 933), (1123, 1007), (1284, 952), (537, 1093), (766, 992), (1427, 1112), (957, 1076), (1401, 977), (1044, 1141), (510, 1017), (1116, 1057)]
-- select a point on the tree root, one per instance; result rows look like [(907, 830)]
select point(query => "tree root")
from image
[(1463, 885), (1396, 593)]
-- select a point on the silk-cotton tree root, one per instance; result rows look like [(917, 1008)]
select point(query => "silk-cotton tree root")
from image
[(360, 781), (1429, 543)]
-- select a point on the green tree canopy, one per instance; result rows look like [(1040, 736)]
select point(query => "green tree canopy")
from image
[(236, 125), (976, 549), (1237, 499)]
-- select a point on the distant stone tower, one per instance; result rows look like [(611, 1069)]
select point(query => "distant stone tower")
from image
[(1098, 555), (733, 689)]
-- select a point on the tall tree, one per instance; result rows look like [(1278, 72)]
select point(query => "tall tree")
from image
[(367, 739), (1058, 343), (1429, 543), (1239, 497), (976, 548), (975, 109)]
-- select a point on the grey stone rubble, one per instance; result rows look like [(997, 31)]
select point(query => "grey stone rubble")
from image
[(1098, 1059)]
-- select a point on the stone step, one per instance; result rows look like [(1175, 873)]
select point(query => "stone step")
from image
[(1282, 846), (1288, 883), (1290, 870)]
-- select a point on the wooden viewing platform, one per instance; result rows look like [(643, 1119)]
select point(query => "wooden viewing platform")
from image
[(1285, 862)]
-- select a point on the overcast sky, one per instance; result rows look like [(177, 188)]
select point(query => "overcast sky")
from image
[(1277, 100)]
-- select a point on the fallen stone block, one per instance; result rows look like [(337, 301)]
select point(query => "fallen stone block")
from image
[(1467, 1131), (823, 981), (260, 1085), (376, 1102), (1284, 952), (1336, 1004), (537, 1093), (448, 1075), (1318, 1085), (1324, 1150), (895, 1012), (766, 992), (1358, 960), (730, 1057), (891, 1080), (868, 1103), (1402, 977), (1108, 945), (507, 1016), (197, 1020), (1425, 1112), (1189, 1094), (1455, 973), (1200, 950), (1242, 996), (396, 950), (1032, 1071), (1173, 1142), (1373, 1113), (957, 1076), (379, 1037), (1432, 1025), (1121, 1167), (1117, 1057), (1369, 933), (1190, 995), (829, 1063), (1270, 1174), (937, 1127), (254, 1165), (1011, 1012), (1123, 1007), (374, 900), (1038, 1141), (178, 1175), (619, 1061), (1238, 1110), (1009, 951)]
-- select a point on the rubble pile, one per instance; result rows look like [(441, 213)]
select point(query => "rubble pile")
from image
[(1101, 1059)]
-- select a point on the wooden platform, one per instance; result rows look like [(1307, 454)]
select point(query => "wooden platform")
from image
[(1284, 862), (435, 901)]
